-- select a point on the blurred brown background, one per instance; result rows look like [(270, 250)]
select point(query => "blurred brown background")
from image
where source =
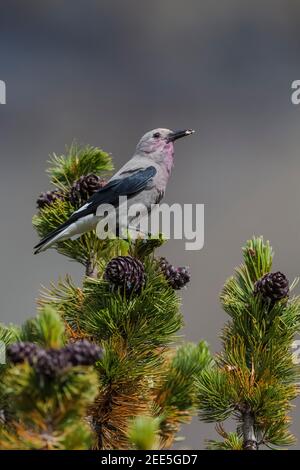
[(104, 72)]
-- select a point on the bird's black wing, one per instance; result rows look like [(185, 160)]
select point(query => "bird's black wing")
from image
[(109, 194)]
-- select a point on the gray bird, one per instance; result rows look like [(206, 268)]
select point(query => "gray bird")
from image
[(143, 179)]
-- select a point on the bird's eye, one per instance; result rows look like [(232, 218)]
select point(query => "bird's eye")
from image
[(156, 135)]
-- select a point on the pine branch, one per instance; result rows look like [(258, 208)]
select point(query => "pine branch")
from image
[(8, 335), (254, 378), (136, 330), (248, 423), (231, 441), (48, 410), (78, 161), (91, 266), (176, 396), (143, 433), (46, 329)]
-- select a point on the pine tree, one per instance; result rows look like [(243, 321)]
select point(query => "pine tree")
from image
[(128, 307), (44, 397), (254, 379)]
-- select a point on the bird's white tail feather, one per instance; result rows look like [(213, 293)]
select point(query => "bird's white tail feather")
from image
[(56, 238), (73, 231)]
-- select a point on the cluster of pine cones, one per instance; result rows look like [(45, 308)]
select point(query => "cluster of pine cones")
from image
[(176, 277), (272, 287), (127, 274), (50, 362), (80, 192)]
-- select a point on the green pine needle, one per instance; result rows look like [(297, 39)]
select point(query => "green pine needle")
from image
[(78, 161)]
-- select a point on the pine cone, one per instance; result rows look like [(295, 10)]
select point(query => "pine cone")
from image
[(272, 286), (21, 352), (82, 353), (85, 187), (127, 273), (49, 363), (176, 277), (47, 198)]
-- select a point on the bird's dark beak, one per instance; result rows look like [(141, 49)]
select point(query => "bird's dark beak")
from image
[(178, 134)]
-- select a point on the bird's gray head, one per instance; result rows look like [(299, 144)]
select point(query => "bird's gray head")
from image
[(159, 144), (160, 139)]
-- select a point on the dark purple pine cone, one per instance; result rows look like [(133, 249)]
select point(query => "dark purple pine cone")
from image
[(49, 363), (272, 286), (85, 187), (47, 198), (20, 352), (82, 353), (125, 272), (176, 277)]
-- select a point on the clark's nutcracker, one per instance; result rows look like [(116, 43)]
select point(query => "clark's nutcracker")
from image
[(143, 179)]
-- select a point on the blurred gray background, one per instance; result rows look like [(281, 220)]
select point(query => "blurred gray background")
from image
[(104, 72)]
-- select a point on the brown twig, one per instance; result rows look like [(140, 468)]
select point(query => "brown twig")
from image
[(249, 437), (91, 269)]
